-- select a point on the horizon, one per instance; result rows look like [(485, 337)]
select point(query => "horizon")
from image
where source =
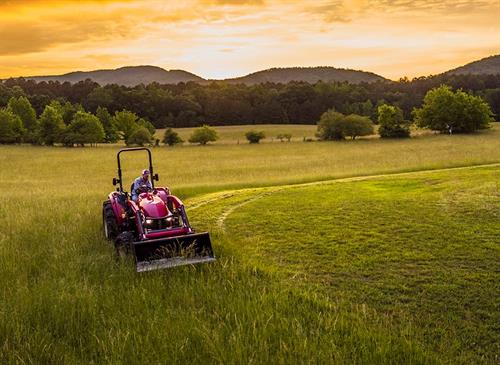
[(219, 39), (237, 76)]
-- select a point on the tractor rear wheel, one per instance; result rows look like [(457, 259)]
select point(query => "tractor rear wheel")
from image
[(109, 221)]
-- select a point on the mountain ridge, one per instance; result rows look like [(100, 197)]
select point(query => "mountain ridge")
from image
[(146, 74)]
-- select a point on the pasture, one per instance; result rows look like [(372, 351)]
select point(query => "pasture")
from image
[(356, 252)]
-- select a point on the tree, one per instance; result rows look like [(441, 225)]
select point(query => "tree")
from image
[(21, 106), (171, 137), (110, 132), (203, 135), (458, 112), (11, 127), (391, 122), (144, 123), (85, 128), (140, 137), (357, 125), (331, 126), (126, 123), (254, 136), (51, 125)]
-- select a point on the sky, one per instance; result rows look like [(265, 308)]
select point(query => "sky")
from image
[(229, 38)]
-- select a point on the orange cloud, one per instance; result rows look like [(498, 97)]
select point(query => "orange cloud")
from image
[(223, 38)]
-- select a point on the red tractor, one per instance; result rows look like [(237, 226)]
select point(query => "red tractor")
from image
[(155, 228)]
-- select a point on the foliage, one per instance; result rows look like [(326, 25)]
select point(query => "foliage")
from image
[(11, 127), (391, 122), (282, 136), (187, 105), (110, 131), (21, 106), (458, 112), (171, 137), (85, 128), (254, 136), (203, 135), (357, 125), (51, 125), (331, 126), (144, 123), (140, 137), (126, 123)]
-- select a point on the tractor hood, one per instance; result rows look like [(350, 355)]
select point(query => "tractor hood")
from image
[(153, 207)]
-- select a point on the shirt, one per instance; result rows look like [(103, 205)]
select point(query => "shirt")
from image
[(138, 183)]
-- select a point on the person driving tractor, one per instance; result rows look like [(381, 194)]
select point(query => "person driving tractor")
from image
[(141, 185)]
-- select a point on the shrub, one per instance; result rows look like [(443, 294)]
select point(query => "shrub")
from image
[(85, 128), (51, 125), (447, 111), (11, 127), (391, 122), (171, 137), (357, 125), (140, 137), (203, 135), (331, 126), (283, 136), (254, 136), (336, 126)]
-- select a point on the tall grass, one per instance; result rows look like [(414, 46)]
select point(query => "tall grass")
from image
[(65, 299)]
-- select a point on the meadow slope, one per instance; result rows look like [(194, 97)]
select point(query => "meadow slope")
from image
[(388, 270)]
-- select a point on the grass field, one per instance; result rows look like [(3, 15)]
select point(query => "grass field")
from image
[(236, 134), (388, 270)]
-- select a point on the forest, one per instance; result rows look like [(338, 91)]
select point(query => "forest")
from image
[(220, 103)]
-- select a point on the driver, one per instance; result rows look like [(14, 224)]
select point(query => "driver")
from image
[(141, 185)]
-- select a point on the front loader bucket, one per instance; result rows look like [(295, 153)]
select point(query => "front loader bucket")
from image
[(169, 252)]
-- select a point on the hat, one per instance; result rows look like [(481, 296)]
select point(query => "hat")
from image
[(145, 172)]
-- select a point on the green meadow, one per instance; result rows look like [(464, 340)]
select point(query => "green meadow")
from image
[(356, 252)]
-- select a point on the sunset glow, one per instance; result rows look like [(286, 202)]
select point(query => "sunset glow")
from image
[(228, 38)]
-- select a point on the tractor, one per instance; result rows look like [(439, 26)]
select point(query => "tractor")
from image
[(155, 228)]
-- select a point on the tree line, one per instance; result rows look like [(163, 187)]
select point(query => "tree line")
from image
[(191, 104)]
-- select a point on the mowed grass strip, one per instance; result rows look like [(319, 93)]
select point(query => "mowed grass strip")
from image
[(422, 250)]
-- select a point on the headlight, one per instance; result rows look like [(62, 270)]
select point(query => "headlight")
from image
[(149, 221)]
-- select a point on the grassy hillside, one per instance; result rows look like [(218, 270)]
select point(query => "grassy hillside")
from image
[(307, 74), (388, 270), (486, 66)]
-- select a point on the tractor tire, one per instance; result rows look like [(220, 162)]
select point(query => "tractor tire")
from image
[(123, 245), (110, 227)]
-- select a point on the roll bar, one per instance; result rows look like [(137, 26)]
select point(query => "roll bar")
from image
[(154, 177)]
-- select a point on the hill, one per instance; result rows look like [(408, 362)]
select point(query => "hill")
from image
[(127, 76), (486, 66), (307, 74)]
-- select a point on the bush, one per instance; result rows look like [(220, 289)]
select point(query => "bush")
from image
[(254, 136), (331, 126), (283, 136), (51, 126), (357, 125), (11, 127), (447, 111), (336, 126), (171, 137), (140, 137), (391, 122), (203, 135), (85, 128)]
